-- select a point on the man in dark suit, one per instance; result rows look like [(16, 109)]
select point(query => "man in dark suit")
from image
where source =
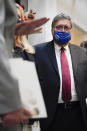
[(62, 68)]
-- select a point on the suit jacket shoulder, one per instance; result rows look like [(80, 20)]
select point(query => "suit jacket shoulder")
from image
[(41, 46), (78, 48)]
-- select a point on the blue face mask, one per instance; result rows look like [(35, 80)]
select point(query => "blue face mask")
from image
[(62, 37)]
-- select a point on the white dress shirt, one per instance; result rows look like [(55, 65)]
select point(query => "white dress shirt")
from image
[(68, 55)]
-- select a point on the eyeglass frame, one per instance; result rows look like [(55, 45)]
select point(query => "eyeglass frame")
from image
[(62, 28)]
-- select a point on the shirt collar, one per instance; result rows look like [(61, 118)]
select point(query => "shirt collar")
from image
[(57, 47)]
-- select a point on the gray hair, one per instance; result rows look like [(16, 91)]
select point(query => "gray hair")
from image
[(84, 44), (60, 17)]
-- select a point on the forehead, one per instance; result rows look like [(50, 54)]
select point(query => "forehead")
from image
[(63, 22)]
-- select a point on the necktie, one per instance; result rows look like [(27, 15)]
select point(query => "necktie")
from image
[(66, 79)]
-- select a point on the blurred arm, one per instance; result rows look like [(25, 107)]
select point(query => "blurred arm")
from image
[(30, 26)]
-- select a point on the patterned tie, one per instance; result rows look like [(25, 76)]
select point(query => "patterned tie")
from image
[(66, 79)]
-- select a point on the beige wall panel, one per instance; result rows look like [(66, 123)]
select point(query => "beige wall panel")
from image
[(78, 36)]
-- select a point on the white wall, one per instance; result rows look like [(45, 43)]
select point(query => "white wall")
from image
[(75, 8), (43, 8)]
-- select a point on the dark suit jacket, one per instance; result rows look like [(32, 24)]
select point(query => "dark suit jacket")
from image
[(19, 53), (50, 81)]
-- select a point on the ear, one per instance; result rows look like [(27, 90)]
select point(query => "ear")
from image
[(52, 31), (70, 30)]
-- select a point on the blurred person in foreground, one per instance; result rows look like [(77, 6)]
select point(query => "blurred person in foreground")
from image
[(11, 110)]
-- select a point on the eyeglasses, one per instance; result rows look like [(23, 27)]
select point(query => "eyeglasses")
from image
[(62, 28)]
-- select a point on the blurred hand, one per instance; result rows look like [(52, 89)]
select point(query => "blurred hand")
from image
[(30, 26), (13, 118)]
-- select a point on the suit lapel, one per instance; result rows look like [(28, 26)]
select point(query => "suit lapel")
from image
[(75, 58), (52, 56)]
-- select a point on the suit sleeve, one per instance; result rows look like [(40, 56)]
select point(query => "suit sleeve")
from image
[(9, 93)]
